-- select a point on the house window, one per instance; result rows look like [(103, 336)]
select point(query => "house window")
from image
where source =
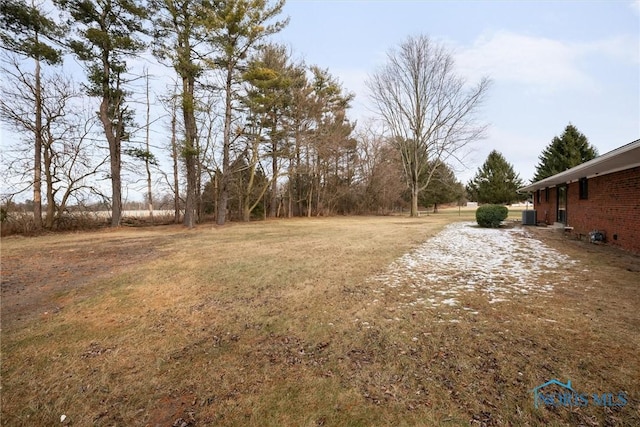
[(583, 184), (546, 194), (538, 196)]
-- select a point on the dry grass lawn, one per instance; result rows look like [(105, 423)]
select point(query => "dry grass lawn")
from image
[(262, 324)]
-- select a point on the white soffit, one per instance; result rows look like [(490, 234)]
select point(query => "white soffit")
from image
[(625, 157)]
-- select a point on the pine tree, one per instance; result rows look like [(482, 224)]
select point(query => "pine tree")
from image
[(234, 28), (443, 188), (107, 34), (564, 152), (177, 31), (495, 182), (27, 31), (268, 96)]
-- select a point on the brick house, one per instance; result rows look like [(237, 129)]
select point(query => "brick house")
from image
[(600, 195)]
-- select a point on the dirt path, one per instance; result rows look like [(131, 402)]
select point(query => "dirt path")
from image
[(34, 282)]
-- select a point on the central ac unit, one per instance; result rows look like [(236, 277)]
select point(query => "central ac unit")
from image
[(529, 217)]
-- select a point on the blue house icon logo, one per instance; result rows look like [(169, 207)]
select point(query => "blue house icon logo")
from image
[(550, 398)]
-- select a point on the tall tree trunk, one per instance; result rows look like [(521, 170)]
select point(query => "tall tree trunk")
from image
[(311, 182), (248, 189), (176, 180), (298, 177), (414, 199), (198, 186), (149, 190), (113, 136), (414, 181), (226, 149), (274, 167), (290, 188), (114, 162), (317, 180), (37, 158), (190, 155), (273, 204), (48, 174), (116, 183), (274, 183), (147, 161)]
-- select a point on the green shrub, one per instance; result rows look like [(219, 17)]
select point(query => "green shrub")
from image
[(491, 215)]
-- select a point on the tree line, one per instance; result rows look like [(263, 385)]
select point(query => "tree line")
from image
[(496, 181), (250, 130)]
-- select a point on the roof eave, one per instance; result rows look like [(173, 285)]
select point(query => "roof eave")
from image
[(632, 149)]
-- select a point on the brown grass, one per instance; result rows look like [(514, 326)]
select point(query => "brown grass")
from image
[(264, 324)]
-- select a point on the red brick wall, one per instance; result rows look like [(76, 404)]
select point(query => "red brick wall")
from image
[(546, 210), (612, 206)]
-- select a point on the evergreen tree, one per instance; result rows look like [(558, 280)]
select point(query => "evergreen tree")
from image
[(234, 28), (443, 188), (178, 29), (495, 182), (27, 31), (107, 34), (268, 99), (565, 152)]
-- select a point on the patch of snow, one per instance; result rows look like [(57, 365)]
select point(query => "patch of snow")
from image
[(464, 258)]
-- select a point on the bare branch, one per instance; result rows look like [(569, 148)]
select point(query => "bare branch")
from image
[(430, 113)]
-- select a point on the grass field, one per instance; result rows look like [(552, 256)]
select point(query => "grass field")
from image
[(282, 323)]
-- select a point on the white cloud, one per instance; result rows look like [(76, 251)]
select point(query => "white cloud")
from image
[(621, 48), (541, 63), (538, 62)]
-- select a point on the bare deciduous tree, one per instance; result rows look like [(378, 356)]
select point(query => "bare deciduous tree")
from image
[(70, 158), (28, 31), (171, 104), (429, 111), (379, 171)]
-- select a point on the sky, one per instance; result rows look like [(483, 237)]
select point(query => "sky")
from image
[(551, 63)]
